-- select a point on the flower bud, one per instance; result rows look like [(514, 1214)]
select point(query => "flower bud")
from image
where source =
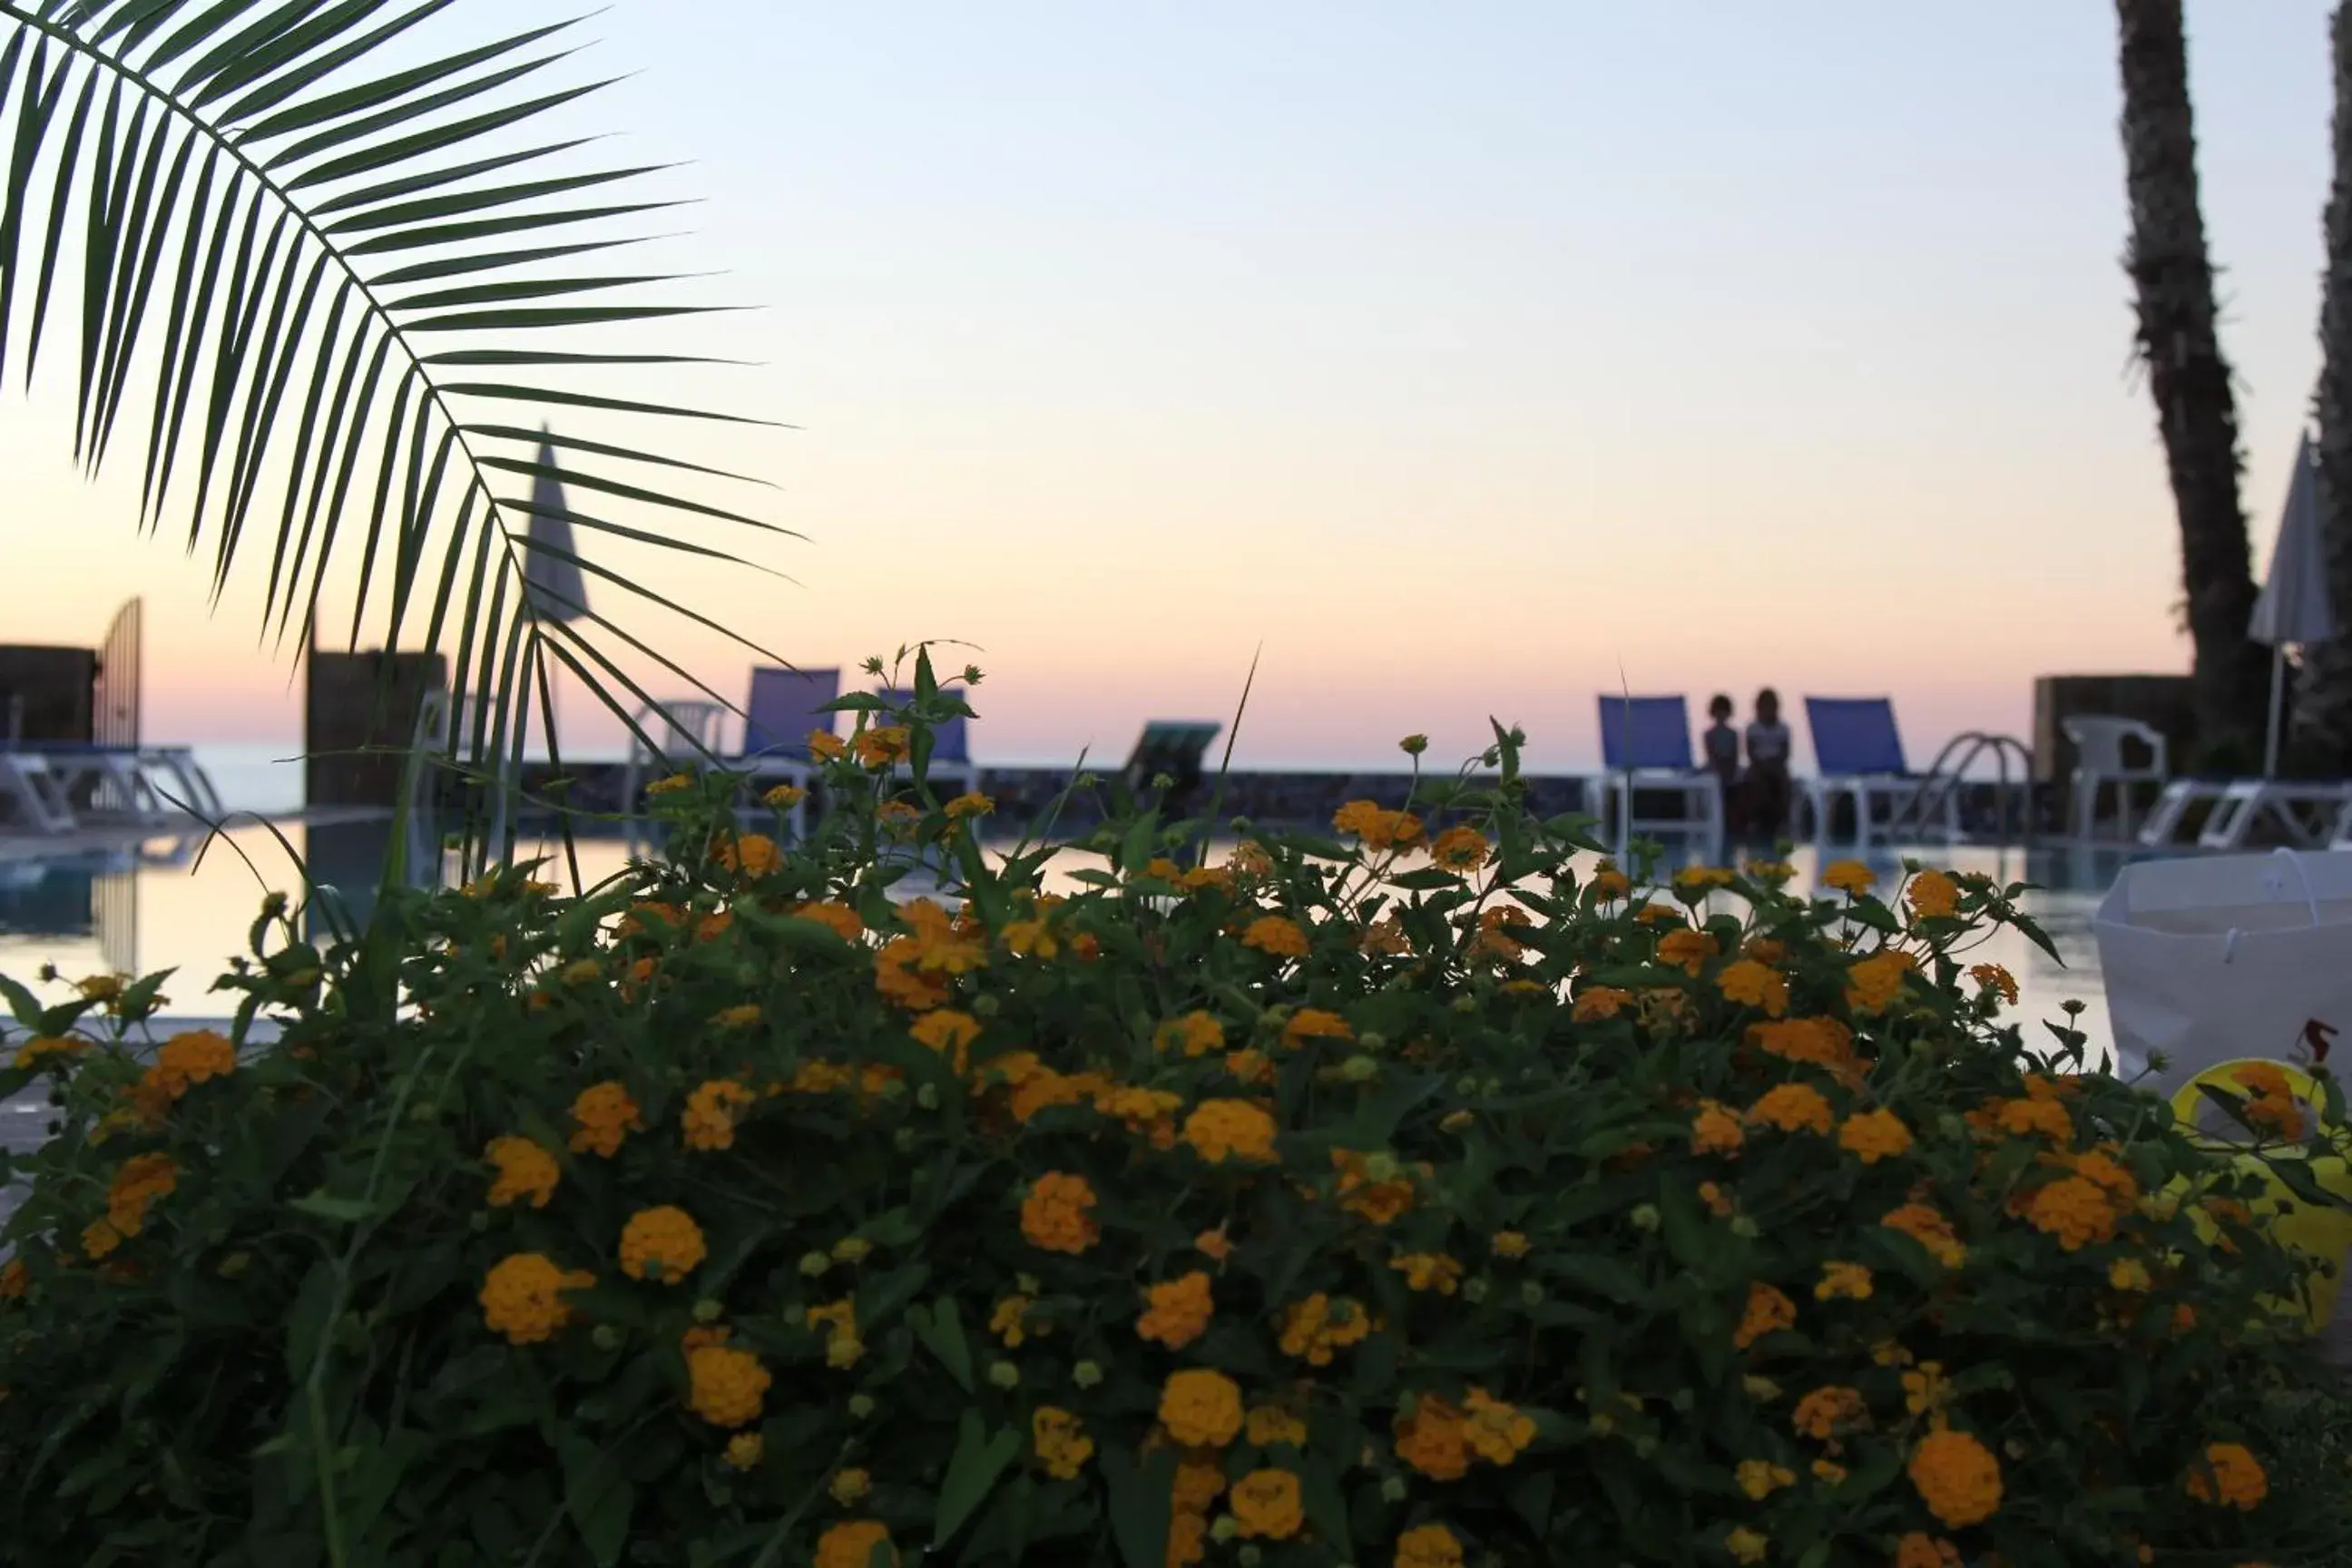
[(1531, 1294), (1394, 1489), (985, 1005), (903, 1140), (1250, 1556), (851, 1249), (1465, 1004), (1225, 1528), (928, 1097), (814, 1264), (1359, 1069), (707, 1310), (1745, 1228), (860, 1407), (477, 1222), (1413, 745), (605, 1337), (1373, 1040), (1086, 1373), (1684, 1402), (1644, 1216), (1382, 1167), (1644, 1447), (1003, 1375), (1466, 1086), (1602, 1425), (895, 1091), (1474, 1291)]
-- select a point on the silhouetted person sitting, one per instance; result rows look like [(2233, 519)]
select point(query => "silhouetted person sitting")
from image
[(1766, 792)]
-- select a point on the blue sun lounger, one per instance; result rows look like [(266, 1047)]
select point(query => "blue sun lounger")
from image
[(1645, 748), (1859, 754)]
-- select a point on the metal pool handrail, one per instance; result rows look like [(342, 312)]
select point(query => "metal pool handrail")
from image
[(1944, 776)]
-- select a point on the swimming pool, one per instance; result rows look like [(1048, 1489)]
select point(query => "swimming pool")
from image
[(162, 906)]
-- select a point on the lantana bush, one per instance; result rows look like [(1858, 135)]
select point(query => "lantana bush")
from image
[(1427, 1192)]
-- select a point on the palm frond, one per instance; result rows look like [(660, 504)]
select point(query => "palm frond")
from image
[(318, 252)]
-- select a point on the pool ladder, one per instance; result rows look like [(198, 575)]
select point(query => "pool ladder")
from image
[(1949, 772)]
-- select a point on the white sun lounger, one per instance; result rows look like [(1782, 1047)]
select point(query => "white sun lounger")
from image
[(36, 799), (2304, 812), (151, 786)]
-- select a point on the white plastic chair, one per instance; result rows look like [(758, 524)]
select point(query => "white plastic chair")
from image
[(689, 727), (2099, 760)]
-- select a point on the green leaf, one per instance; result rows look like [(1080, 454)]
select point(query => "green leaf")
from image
[(941, 1330), (342, 1211), (1326, 1506), (1531, 1499), (1603, 1276), (972, 1473), (1142, 1499), (22, 1006), (599, 1498), (140, 995)]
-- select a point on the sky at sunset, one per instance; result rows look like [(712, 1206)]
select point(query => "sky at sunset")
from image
[(1471, 359)]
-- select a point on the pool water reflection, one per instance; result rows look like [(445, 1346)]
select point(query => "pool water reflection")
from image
[(167, 908)]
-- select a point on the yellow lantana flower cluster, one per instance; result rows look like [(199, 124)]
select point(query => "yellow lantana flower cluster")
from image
[(604, 1115), (1179, 1312), (526, 1172), (713, 1111), (663, 1245), (522, 1297)]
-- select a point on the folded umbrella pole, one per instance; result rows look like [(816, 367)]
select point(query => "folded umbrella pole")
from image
[(2294, 608)]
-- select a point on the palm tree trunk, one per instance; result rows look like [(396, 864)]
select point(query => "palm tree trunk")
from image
[(2196, 411), (2323, 718)]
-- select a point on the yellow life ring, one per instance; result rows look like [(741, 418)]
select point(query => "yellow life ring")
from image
[(2324, 1233)]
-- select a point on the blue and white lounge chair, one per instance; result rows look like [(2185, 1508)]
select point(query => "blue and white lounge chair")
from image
[(783, 707), (786, 706), (1859, 754), (1645, 747), (951, 741)]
